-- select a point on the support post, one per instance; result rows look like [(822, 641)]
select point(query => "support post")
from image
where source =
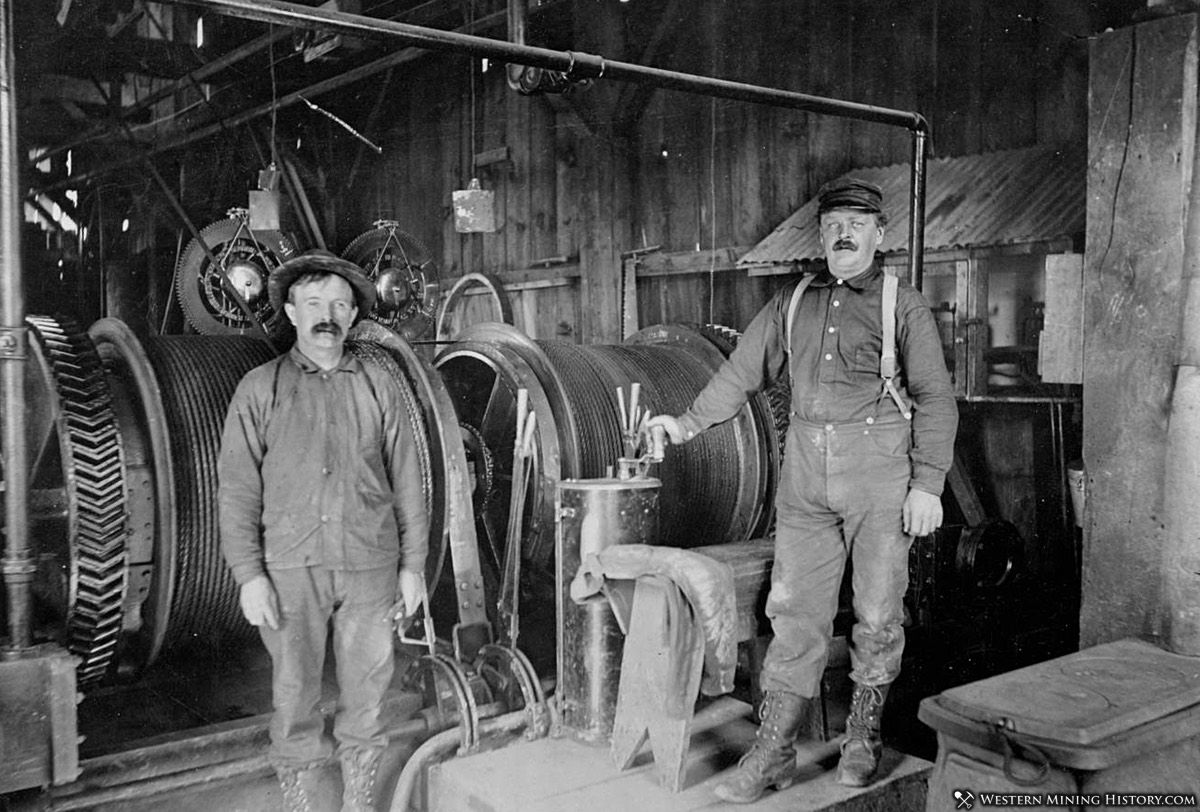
[(17, 563)]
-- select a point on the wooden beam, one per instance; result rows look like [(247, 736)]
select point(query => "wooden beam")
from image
[(319, 88)]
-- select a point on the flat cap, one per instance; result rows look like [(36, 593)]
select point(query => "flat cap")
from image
[(320, 261), (850, 193)]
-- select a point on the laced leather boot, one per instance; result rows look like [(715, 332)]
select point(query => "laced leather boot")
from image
[(863, 745), (771, 761), (299, 787), (360, 765)]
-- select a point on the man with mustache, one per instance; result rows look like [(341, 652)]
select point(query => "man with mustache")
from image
[(869, 443), (320, 502)]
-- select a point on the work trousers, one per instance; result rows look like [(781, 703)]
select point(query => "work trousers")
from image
[(841, 494), (358, 603)]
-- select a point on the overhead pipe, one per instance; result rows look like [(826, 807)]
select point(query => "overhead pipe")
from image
[(580, 66), (17, 563)]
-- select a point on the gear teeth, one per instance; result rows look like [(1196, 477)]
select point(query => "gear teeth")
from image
[(97, 495)]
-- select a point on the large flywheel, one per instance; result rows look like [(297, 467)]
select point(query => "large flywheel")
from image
[(78, 496), (405, 278), (223, 291)]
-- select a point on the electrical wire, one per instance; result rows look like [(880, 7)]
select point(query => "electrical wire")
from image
[(274, 94), (712, 208)]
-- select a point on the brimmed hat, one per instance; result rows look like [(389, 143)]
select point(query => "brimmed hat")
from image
[(320, 261), (850, 193)]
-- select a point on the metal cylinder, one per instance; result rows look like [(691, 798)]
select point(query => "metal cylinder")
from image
[(593, 514), (17, 563)]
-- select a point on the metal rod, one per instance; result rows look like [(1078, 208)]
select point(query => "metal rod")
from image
[(579, 66), (576, 65), (17, 562), (916, 209)]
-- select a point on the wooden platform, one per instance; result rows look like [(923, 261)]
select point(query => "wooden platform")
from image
[(553, 775)]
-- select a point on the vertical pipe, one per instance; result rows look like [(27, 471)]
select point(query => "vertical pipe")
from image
[(17, 563), (916, 206)]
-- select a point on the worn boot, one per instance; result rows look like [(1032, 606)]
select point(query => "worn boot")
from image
[(299, 786), (772, 759), (360, 765), (861, 749)]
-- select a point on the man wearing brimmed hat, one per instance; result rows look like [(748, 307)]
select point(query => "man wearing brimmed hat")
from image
[(869, 443), (320, 502)]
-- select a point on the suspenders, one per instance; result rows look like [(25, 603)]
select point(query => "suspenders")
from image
[(887, 357)]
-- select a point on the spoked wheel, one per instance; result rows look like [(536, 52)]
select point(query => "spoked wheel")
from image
[(482, 377), (244, 259), (454, 317), (78, 496), (405, 278)]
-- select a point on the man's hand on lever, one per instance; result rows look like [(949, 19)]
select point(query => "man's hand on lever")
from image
[(671, 425)]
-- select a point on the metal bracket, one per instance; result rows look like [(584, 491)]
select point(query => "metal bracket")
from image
[(13, 341)]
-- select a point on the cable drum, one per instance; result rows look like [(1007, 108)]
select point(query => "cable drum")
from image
[(370, 351), (443, 460), (716, 488), (197, 376)]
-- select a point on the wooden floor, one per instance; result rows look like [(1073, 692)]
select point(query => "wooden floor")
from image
[(562, 775)]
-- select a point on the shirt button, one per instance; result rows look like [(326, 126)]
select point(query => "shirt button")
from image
[(833, 329), (828, 427), (325, 471), (839, 281), (870, 421), (836, 303), (828, 356), (324, 518)]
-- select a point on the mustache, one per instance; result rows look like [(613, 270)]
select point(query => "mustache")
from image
[(845, 243), (331, 327)]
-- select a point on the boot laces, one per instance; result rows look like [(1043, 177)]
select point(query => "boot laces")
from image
[(362, 765), (863, 722), (294, 794)]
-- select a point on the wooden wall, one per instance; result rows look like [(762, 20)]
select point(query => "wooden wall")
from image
[(1142, 140), (617, 166)]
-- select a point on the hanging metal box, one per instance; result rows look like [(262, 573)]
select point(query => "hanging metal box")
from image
[(264, 210), (474, 209)]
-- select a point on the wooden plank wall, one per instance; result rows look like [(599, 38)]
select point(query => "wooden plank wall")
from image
[(1143, 117), (689, 172)]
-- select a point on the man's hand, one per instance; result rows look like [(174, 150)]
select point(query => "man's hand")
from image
[(260, 603), (410, 590), (922, 513), (674, 430)]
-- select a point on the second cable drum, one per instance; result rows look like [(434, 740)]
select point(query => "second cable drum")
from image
[(717, 488)]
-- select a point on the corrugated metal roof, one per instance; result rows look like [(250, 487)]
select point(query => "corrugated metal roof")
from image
[(1010, 197)]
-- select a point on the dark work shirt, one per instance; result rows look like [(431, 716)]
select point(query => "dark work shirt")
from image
[(836, 341), (319, 469)]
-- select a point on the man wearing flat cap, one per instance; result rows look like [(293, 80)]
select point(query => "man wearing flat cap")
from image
[(322, 516), (869, 443)]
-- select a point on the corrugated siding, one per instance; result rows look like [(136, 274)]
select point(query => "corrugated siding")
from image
[(998, 198)]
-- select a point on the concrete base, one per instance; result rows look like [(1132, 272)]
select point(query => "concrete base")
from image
[(552, 775)]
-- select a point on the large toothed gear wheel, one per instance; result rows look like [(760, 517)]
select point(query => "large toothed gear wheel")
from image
[(78, 496), (246, 258), (405, 278)]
